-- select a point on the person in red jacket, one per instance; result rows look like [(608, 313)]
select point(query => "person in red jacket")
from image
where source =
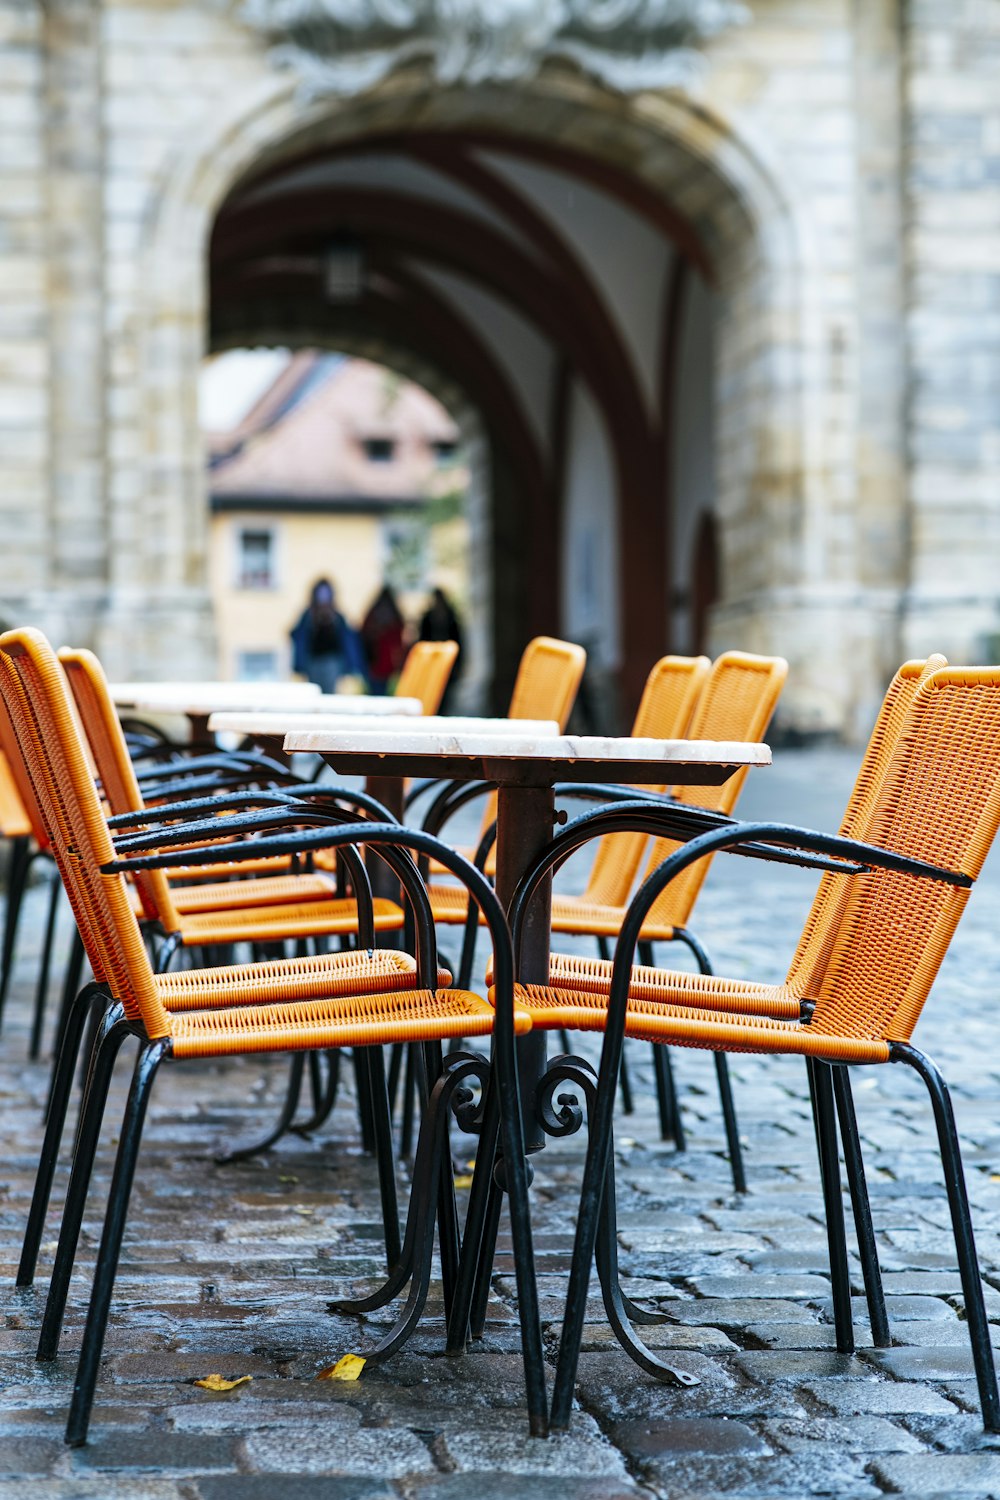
[(383, 639)]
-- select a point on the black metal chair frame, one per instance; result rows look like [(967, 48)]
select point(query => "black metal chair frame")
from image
[(502, 1134), (831, 1086)]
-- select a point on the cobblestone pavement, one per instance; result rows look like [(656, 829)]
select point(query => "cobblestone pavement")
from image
[(230, 1269)]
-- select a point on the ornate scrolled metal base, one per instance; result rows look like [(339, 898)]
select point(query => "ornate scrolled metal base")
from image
[(451, 1093), (562, 1115)]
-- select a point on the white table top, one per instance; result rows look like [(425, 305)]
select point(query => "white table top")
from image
[(202, 698), (526, 759), (282, 723), (527, 745)]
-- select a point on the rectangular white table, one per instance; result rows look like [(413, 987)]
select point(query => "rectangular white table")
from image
[(525, 767), (198, 701)]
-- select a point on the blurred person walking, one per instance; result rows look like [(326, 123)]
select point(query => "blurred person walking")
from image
[(324, 646), (382, 637), (440, 622)]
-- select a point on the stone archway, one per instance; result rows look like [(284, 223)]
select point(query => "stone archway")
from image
[(670, 153)]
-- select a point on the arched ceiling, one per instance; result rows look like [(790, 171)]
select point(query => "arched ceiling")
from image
[(514, 267)]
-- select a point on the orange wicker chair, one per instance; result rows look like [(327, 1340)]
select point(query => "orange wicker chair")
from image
[(265, 910), (548, 680), (220, 1013), (930, 823), (426, 671), (575, 973)]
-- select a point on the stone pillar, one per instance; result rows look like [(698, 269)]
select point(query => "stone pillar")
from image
[(881, 517), (953, 324), (76, 196), (24, 349)]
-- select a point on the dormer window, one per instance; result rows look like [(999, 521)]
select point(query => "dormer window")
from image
[(379, 450)]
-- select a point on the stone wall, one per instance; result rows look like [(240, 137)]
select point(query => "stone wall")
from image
[(841, 162)]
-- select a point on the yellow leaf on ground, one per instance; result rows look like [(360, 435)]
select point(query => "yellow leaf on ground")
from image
[(464, 1182), (220, 1383), (348, 1367)]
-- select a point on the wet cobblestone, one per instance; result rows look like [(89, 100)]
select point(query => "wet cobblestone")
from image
[(230, 1269)]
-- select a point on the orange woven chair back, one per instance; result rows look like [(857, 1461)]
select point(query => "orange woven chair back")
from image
[(664, 712), (103, 731), (425, 672), (548, 679), (736, 703), (813, 951), (37, 696), (20, 785), (939, 801)]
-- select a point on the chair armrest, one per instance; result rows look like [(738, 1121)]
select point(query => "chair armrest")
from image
[(773, 841), (396, 844)]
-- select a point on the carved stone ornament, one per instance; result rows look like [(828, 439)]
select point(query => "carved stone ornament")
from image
[(345, 46)]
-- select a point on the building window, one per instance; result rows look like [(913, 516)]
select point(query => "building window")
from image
[(256, 666), (255, 559), (379, 450), (445, 453)]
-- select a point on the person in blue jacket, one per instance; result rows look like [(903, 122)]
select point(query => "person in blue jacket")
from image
[(324, 646)]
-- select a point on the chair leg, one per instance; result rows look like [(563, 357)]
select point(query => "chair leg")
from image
[(729, 1119), (291, 1104), (867, 1249), (146, 1067), (617, 1306), (167, 949), (833, 1200), (671, 1124), (112, 1033), (477, 1241), (468, 956), (682, 935), (55, 1123), (487, 1256), (42, 987), (961, 1219), (70, 990), (362, 1094), (447, 1212), (628, 1100), (671, 1128), (384, 1157), (396, 1052), (409, 1105), (515, 1177), (432, 1157)]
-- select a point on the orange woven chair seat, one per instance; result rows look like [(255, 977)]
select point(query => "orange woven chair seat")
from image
[(592, 976), (349, 1021), (449, 903), (683, 1026), (582, 918), (264, 924), (272, 890), (291, 979), (570, 914), (469, 853)]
